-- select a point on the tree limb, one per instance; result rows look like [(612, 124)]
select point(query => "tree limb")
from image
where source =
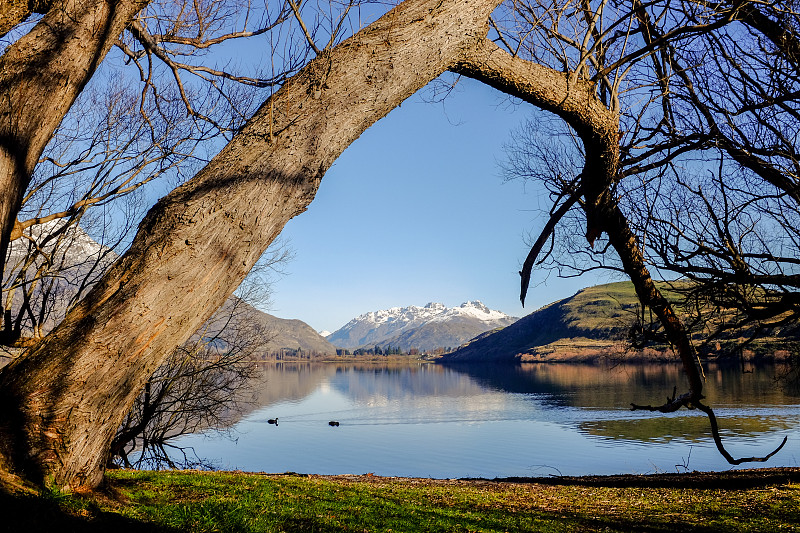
[(548, 229)]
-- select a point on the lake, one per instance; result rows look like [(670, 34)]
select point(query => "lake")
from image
[(427, 420)]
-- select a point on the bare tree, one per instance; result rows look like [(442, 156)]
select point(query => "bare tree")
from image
[(94, 175), (202, 385), (66, 397), (646, 63)]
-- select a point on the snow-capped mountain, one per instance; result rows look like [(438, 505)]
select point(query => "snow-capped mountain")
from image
[(68, 245), (424, 328)]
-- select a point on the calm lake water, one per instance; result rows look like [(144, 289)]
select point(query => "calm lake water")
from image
[(497, 421)]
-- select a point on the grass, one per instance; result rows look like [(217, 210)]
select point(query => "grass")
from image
[(758, 500)]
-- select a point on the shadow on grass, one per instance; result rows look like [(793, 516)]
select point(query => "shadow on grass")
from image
[(30, 513), (731, 480)]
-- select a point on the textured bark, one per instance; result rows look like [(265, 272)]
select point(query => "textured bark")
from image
[(41, 74), (64, 400), (12, 12)]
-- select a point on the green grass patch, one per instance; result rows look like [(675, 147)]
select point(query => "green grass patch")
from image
[(235, 502)]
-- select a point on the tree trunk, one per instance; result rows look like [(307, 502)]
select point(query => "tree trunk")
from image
[(624, 242), (65, 399), (41, 74)]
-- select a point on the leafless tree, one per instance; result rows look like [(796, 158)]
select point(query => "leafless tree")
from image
[(704, 177), (585, 63), (202, 385)]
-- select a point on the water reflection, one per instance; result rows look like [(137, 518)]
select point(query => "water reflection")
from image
[(612, 387), (494, 420)]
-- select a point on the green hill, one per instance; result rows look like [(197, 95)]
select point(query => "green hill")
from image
[(590, 325)]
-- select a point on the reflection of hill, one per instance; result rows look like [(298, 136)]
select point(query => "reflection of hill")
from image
[(593, 398), (576, 385), (615, 387), (691, 428)]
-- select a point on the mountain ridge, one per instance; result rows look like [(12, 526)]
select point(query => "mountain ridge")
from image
[(422, 327), (596, 323)]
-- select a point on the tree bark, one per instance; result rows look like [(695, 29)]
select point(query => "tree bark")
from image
[(12, 12), (41, 74), (64, 400)]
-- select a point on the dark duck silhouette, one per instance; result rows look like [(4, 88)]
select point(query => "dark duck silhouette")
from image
[(333, 423), (272, 421)]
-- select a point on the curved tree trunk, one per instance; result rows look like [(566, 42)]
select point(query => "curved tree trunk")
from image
[(63, 401), (575, 100)]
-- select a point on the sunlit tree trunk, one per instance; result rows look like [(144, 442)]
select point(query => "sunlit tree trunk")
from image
[(63, 401)]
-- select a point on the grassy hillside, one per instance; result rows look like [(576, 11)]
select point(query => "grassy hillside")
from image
[(592, 324)]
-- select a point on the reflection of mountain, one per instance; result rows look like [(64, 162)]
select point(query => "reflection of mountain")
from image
[(574, 385), (396, 383), (592, 398), (278, 382), (420, 393), (414, 387)]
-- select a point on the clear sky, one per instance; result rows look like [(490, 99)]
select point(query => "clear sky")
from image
[(417, 211)]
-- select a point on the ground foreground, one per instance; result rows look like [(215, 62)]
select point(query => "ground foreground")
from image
[(748, 500)]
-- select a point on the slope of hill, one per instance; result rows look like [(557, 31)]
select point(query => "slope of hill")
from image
[(293, 334), (595, 323), (424, 328), (590, 322)]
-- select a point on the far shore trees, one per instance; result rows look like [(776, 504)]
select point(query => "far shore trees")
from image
[(64, 399)]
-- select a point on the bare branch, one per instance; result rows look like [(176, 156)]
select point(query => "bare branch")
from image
[(303, 26)]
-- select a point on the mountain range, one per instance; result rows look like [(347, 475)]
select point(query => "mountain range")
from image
[(424, 328)]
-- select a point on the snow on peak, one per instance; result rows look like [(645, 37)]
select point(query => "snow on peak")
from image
[(376, 325), (477, 309), (71, 240)]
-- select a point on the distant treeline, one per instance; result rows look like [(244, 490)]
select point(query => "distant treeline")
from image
[(298, 353)]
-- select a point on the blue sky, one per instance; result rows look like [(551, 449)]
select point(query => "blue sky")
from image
[(416, 211)]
